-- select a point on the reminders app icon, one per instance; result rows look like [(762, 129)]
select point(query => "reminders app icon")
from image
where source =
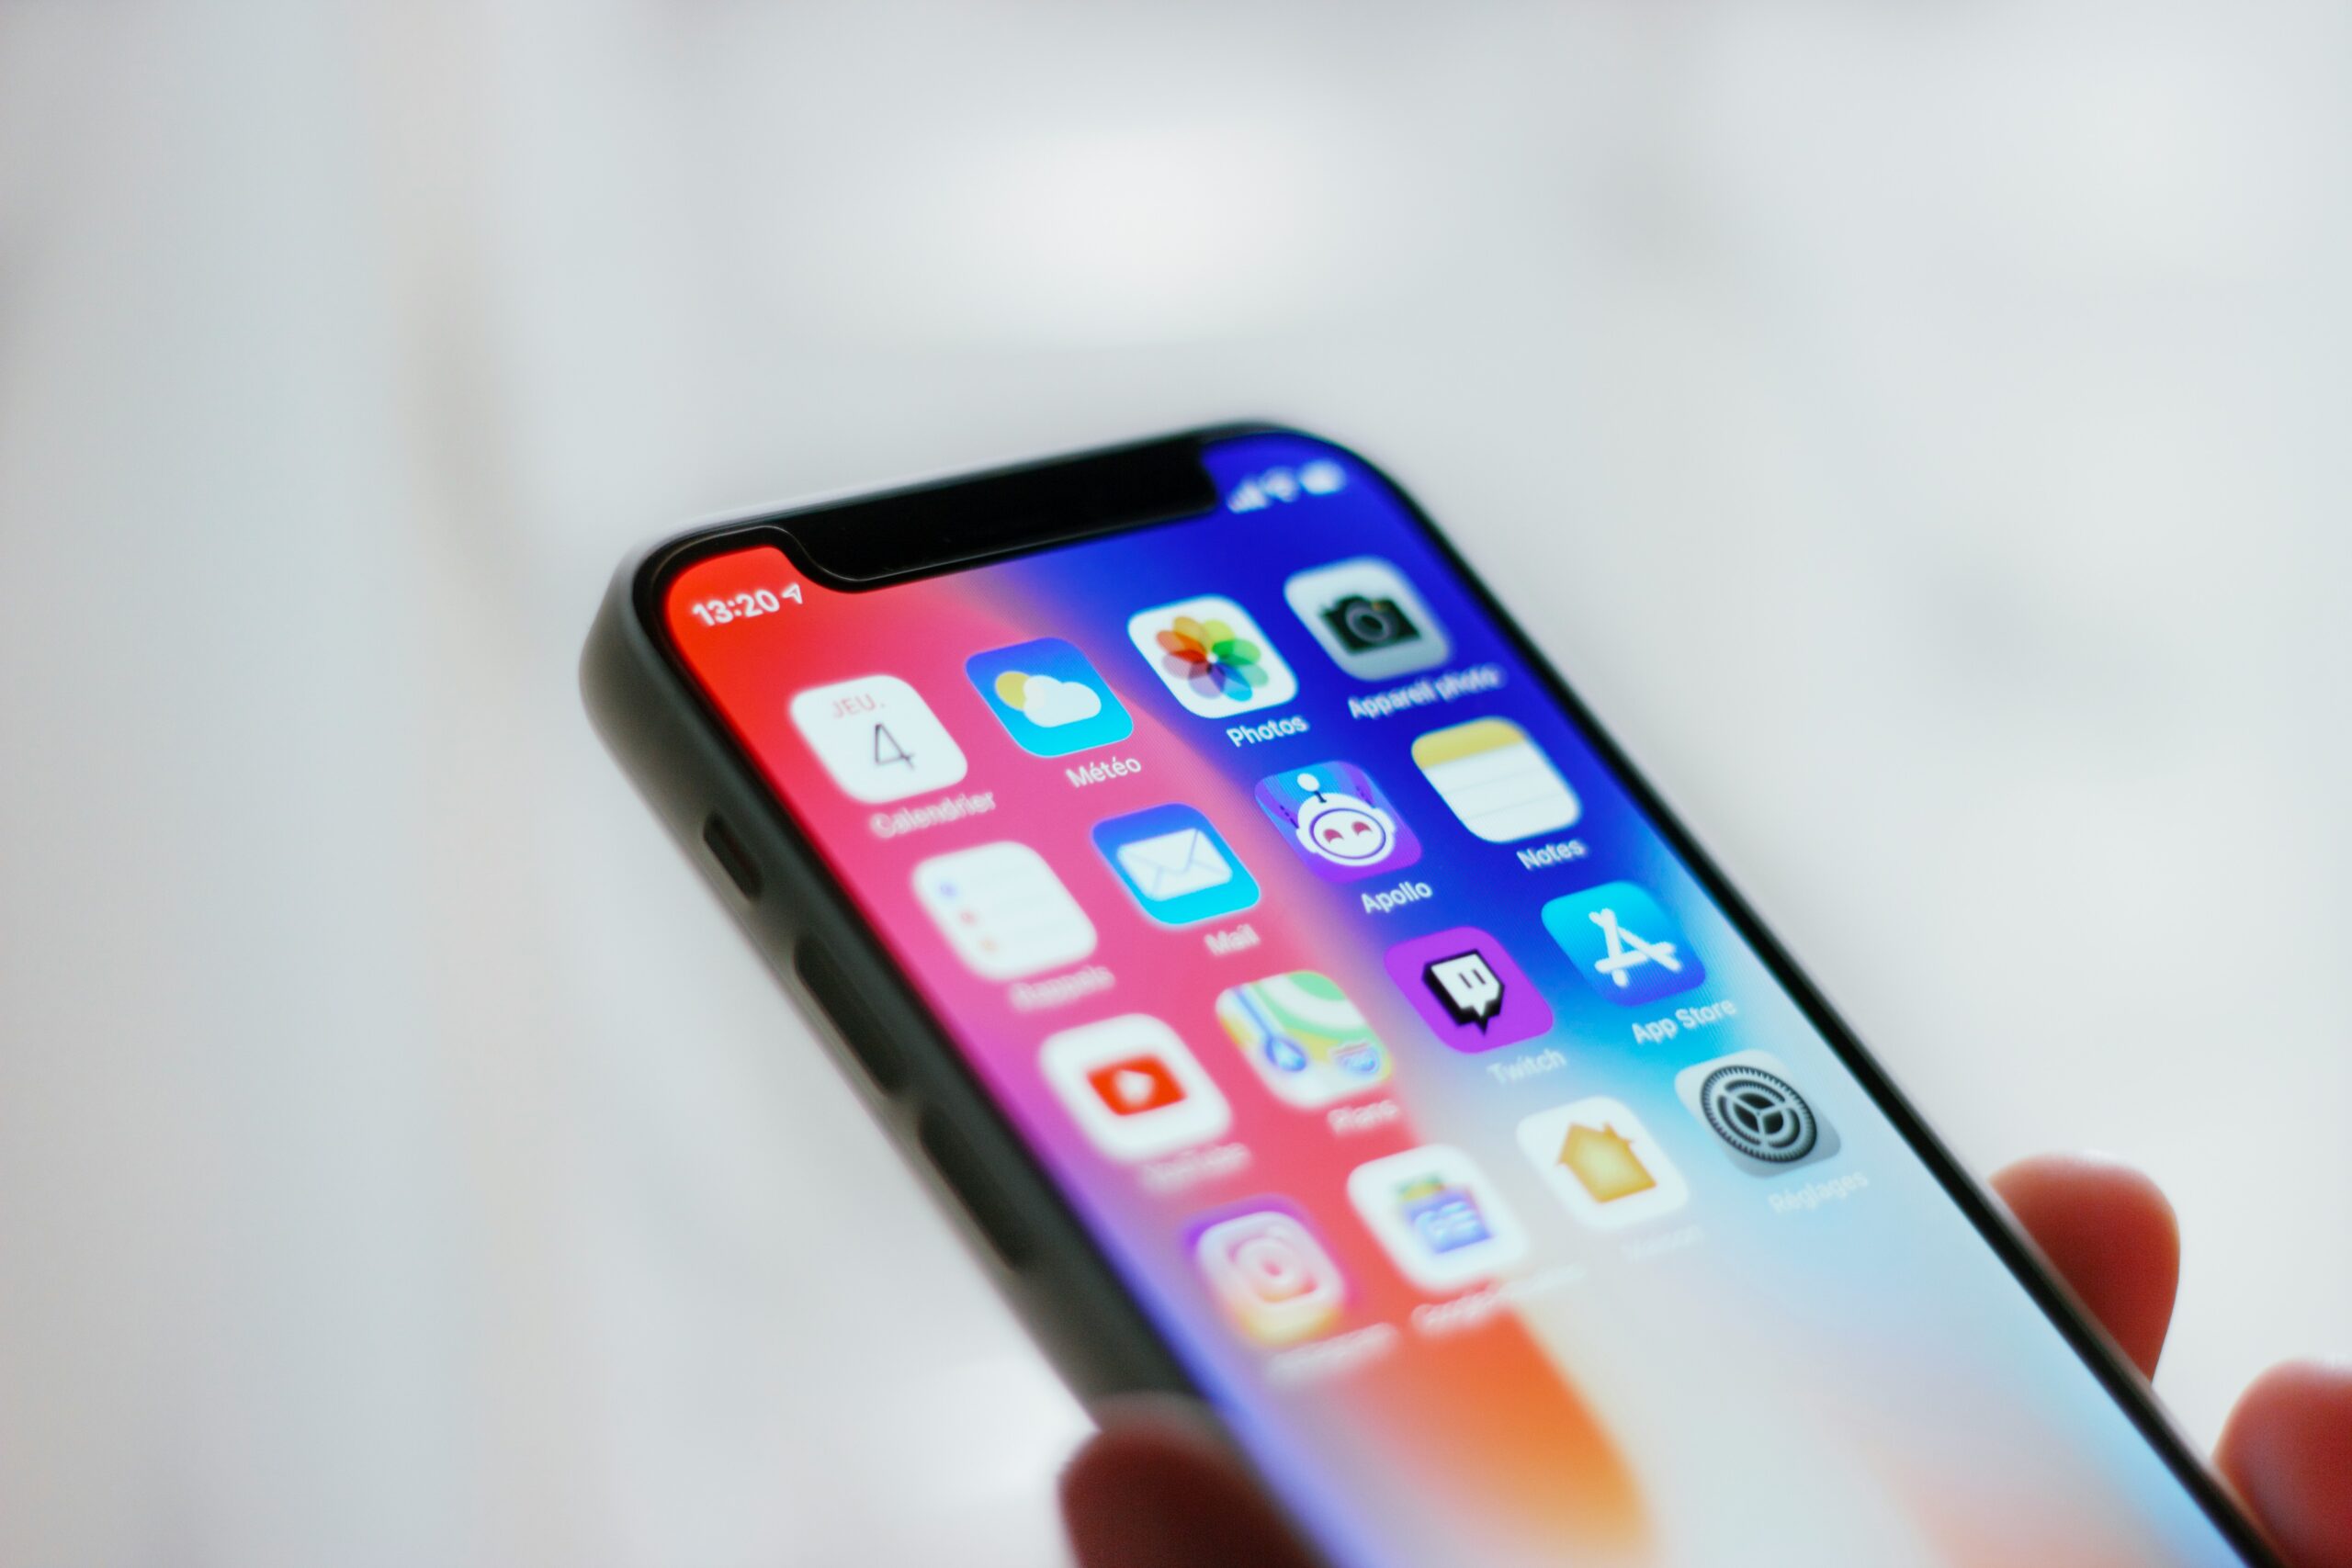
[(1176, 865)]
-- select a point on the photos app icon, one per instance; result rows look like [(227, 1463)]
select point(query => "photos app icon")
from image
[(1212, 657)]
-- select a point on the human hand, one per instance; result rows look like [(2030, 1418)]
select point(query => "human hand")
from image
[(1156, 1489)]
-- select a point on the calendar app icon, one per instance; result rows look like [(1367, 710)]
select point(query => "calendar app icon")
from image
[(878, 738)]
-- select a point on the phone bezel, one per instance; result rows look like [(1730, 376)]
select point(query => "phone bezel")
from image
[(632, 660)]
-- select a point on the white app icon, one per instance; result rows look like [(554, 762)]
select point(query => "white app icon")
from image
[(1168, 866), (1368, 618), (1003, 910), (1304, 1039), (1211, 656), (1602, 1163), (1133, 1088), (1272, 1276), (1498, 782), (1439, 1219), (878, 738)]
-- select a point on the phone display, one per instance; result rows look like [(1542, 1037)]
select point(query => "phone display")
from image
[(1509, 1204)]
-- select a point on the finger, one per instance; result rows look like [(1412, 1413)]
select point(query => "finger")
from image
[(2110, 1233), (1156, 1489), (2288, 1449)]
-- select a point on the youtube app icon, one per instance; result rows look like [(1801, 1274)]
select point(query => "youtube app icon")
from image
[(1134, 1087)]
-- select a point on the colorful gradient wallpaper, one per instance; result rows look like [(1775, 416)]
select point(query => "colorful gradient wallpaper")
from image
[(1494, 1191)]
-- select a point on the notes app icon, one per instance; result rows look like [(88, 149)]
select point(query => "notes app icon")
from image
[(1497, 781)]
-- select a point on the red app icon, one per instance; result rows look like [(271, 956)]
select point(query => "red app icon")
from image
[(1135, 1085)]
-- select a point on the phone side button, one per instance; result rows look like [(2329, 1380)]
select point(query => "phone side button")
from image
[(732, 857), (822, 977), (990, 1211)]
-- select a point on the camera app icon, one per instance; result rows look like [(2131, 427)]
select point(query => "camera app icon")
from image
[(1368, 618)]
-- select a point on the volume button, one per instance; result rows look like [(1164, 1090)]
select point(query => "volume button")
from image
[(732, 857), (822, 977)]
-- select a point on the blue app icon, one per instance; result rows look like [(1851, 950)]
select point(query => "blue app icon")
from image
[(1176, 864), (1048, 697), (1627, 948)]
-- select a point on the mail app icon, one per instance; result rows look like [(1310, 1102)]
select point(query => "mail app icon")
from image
[(1175, 864), (1171, 864)]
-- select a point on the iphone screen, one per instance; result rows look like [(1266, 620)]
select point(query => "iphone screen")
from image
[(1495, 1188)]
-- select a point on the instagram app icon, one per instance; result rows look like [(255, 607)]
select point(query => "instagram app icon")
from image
[(1271, 1275)]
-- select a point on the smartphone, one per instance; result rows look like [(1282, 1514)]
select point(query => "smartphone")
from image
[(1306, 1008)]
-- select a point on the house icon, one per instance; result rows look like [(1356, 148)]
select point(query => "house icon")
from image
[(1603, 1162)]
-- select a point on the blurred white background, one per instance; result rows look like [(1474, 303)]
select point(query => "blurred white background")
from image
[(1920, 429)]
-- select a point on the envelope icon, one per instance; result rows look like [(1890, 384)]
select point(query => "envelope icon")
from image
[(1169, 865)]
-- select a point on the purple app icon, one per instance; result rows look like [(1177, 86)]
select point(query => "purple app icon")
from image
[(1467, 987), (1337, 820)]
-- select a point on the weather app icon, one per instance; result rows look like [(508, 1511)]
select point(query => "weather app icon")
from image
[(1048, 697)]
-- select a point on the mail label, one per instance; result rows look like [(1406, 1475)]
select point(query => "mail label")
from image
[(1175, 864)]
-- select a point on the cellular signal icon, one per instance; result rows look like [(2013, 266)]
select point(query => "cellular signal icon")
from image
[(1321, 476)]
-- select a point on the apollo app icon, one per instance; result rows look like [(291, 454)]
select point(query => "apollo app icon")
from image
[(1339, 820)]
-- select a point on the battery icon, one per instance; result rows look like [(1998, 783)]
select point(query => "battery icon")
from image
[(1321, 476)]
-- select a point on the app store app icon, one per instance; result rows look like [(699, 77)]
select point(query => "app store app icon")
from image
[(1625, 945)]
